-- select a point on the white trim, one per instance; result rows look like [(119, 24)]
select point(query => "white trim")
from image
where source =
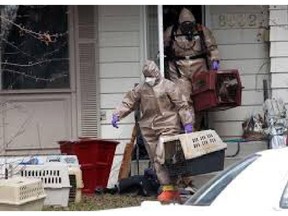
[(160, 38), (97, 68), (207, 19), (72, 71), (143, 36), (77, 71), (1, 61), (35, 91), (71, 45)]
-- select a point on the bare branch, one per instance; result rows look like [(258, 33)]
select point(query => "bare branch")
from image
[(34, 77), (17, 48), (34, 64), (45, 37), (20, 131)]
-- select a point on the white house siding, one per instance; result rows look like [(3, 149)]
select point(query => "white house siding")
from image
[(242, 45), (120, 58), (242, 37), (279, 50)]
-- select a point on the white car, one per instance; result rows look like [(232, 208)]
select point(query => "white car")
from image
[(257, 184)]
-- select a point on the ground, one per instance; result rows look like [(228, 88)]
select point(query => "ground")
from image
[(102, 201)]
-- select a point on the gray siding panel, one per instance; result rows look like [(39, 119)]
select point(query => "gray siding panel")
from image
[(242, 46), (119, 58)]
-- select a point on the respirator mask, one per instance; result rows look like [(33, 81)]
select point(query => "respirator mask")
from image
[(150, 81), (187, 28)]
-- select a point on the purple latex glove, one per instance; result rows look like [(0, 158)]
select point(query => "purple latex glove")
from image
[(215, 65), (114, 121), (188, 128)]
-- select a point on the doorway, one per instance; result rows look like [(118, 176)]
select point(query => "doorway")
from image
[(171, 14), (170, 17)]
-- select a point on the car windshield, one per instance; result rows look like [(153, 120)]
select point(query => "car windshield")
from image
[(208, 193)]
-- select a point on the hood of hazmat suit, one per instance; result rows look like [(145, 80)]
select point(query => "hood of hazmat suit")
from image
[(151, 70), (186, 16)]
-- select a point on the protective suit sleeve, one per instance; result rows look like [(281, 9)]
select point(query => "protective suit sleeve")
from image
[(211, 44), (129, 103), (181, 104)]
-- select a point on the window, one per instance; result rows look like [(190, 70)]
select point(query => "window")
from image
[(34, 47), (208, 193)]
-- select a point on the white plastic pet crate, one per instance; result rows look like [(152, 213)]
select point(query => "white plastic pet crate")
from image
[(70, 160), (193, 153), (75, 173), (21, 194), (55, 179)]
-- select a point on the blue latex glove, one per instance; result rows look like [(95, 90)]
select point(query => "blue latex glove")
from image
[(114, 121), (215, 65), (188, 128)]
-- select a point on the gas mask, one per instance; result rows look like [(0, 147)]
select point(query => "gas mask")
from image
[(187, 28), (150, 81)]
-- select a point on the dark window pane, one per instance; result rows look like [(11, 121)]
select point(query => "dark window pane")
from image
[(34, 47)]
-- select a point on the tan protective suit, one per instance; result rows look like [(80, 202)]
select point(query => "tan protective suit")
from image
[(162, 108), (183, 48)]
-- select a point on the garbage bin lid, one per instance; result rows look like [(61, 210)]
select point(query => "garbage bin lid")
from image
[(88, 139)]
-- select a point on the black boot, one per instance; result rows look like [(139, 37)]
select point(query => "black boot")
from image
[(100, 190)]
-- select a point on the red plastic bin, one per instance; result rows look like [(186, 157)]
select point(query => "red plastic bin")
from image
[(95, 157), (216, 90)]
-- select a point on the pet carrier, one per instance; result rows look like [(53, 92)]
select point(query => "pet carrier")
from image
[(55, 179), (71, 161), (216, 90), (193, 154), (21, 194)]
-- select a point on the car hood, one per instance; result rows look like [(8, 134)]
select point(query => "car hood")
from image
[(152, 208), (156, 208), (149, 207)]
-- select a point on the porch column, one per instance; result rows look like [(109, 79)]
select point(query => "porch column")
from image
[(279, 51)]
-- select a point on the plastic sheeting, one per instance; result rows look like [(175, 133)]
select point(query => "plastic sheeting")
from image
[(276, 119)]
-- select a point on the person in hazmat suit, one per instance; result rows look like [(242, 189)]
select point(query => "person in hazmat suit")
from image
[(163, 109), (189, 48)]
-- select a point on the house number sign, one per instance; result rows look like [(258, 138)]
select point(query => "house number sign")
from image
[(247, 20)]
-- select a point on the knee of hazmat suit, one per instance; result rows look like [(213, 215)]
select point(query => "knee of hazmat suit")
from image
[(162, 106)]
